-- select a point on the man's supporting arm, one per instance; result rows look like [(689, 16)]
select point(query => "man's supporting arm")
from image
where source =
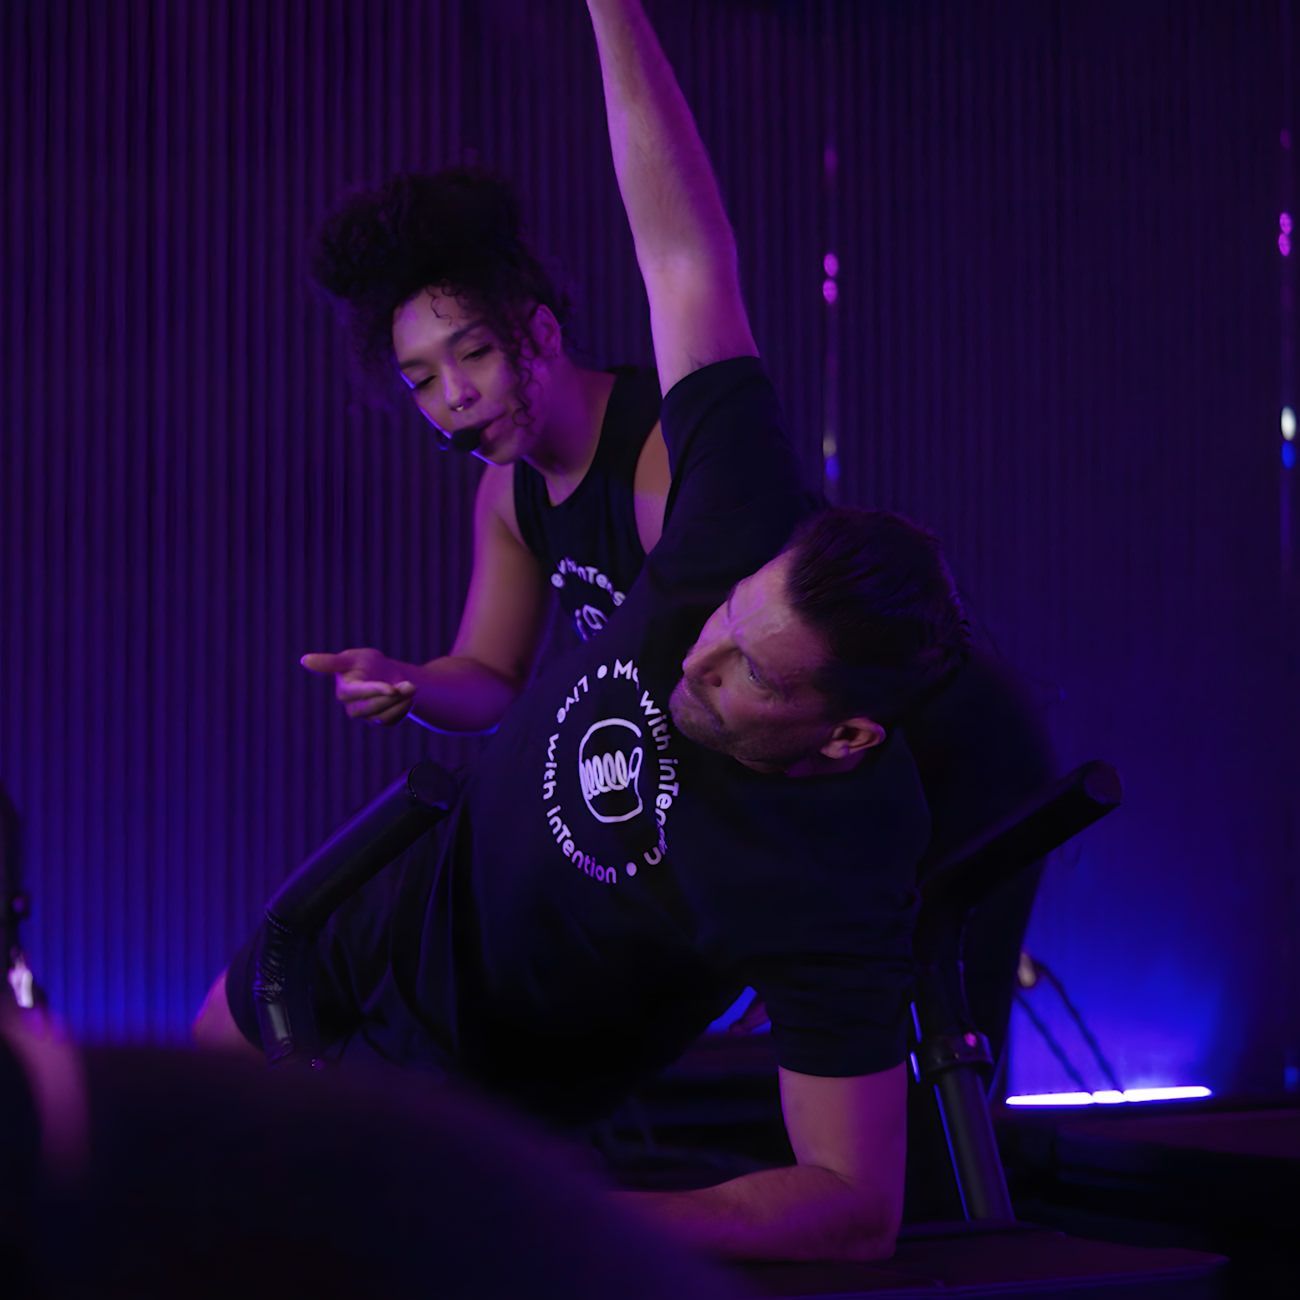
[(684, 242), (842, 1201)]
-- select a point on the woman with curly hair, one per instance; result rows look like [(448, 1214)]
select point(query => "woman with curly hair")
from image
[(441, 291)]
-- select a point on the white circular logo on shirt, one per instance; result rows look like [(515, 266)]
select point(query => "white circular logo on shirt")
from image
[(627, 775)]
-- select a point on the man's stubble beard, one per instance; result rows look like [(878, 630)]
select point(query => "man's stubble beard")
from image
[(698, 724), (694, 721)]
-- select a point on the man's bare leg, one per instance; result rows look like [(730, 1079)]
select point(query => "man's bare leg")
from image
[(214, 1027)]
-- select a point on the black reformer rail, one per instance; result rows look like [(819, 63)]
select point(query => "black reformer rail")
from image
[(951, 1054)]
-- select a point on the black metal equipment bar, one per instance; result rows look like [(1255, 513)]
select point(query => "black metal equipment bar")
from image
[(951, 1053), (355, 853), (15, 907)]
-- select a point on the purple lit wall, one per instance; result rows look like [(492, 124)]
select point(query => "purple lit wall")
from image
[(1056, 325)]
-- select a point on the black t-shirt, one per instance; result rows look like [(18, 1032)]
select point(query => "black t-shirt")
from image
[(588, 544), (606, 886)]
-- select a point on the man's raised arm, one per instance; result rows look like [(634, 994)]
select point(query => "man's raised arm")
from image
[(684, 242)]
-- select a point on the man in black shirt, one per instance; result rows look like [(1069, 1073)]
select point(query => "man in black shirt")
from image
[(711, 794)]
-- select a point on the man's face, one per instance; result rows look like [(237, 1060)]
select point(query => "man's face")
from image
[(746, 687), (460, 377)]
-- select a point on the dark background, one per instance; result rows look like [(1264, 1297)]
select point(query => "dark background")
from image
[(1059, 339)]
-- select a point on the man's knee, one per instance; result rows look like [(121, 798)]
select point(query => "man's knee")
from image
[(214, 1027)]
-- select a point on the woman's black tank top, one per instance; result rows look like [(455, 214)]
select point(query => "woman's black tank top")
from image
[(588, 544)]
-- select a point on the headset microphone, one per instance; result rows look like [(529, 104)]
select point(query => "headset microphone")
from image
[(465, 440)]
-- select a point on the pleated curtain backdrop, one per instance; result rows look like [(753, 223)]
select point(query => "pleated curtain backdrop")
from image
[(1014, 269)]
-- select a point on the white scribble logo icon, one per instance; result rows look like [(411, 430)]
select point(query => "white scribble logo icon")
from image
[(589, 620), (609, 770)]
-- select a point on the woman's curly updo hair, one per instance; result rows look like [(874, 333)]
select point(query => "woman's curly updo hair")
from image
[(458, 231)]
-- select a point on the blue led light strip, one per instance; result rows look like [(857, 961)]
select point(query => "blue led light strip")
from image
[(1109, 1097)]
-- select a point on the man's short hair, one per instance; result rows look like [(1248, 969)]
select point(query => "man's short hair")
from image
[(878, 590), (458, 230)]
